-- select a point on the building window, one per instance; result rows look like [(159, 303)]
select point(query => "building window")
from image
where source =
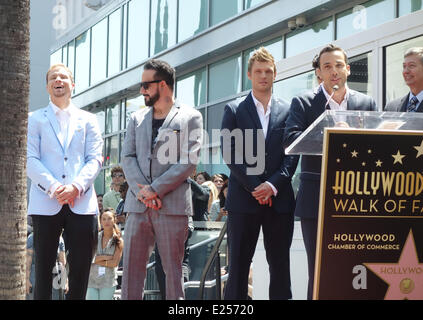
[(360, 76), (252, 3), (99, 52), (395, 86), (221, 10), (192, 19), (191, 88), (132, 105), (101, 119), (111, 155), (225, 78), (163, 25), (363, 17), (114, 47), (409, 6), (71, 56), (82, 64), (311, 37), (138, 31), (294, 86), (56, 57), (214, 117), (112, 118), (275, 47)]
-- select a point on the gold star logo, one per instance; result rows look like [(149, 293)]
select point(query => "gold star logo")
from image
[(363, 164), (338, 160), (379, 163), (344, 145), (369, 151), (398, 157), (419, 149), (354, 154)]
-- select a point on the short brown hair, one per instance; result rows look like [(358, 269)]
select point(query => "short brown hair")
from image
[(261, 55), (59, 65), (117, 169), (330, 48)]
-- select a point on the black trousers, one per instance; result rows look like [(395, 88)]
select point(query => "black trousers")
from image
[(243, 232), (80, 235), (309, 230)]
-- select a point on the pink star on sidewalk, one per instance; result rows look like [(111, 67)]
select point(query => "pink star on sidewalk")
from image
[(405, 278)]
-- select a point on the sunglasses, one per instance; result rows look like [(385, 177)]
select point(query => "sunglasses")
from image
[(146, 84)]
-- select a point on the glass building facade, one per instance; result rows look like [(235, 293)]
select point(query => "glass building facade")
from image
[(209, 43)]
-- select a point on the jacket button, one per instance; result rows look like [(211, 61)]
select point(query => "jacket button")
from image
[(66, 159), (63, 176)]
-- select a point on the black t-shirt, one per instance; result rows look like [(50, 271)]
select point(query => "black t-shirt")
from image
[(157, 123)]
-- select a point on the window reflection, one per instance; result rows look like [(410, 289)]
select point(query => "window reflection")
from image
[(192, 18), (56, 57), (99, 52), (294, 86), (273, 46), (360, 76), (138, 30), (191, 89), (82, 65), (252, 3), (409, 6), (114, 42), (225, 78), (133, 105), (362, 17), (394, 81), (71, 56), (101, 117), (223, 9), (112, 118), (111, 155), (312, 36), (163, 25)]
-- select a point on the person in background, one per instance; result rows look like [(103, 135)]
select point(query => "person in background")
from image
[(218, 181), (218, 211), (120, 213), (103, 276), (412, 72), (100, 202), (112, 198), (202, 177), (214, 194)]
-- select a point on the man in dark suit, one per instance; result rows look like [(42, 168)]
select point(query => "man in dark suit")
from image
[(413, 76), (333, 70), (260, 192)]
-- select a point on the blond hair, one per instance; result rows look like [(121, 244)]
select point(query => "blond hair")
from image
[(59, 65), (261, 55), (214, 193)]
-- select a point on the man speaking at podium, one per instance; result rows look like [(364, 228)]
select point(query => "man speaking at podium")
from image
[(333, 93)]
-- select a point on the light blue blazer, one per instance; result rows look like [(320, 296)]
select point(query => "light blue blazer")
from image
[(49, 161)]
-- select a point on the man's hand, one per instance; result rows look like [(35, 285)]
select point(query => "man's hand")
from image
[(149, 197), (66, 194), (263, 194)]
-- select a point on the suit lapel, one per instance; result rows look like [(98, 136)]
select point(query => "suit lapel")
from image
[(172, 113), (272, 120), (252, 110), (148, 127), (73, 124), (49, 113), (319, 101), (404, 103)]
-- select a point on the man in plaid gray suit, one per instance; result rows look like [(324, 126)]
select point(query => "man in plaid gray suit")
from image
[(160, 151)]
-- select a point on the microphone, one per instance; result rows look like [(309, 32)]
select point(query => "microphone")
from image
[(334, 88)]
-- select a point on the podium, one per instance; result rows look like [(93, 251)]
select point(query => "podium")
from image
[(310, 142), (370, 225)]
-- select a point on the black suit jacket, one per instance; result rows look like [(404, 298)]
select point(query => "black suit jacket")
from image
[(401, 104), (305, 109), (241, 116)]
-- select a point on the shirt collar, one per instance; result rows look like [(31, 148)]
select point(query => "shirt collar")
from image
[(69, 110), (346, 96), (419, 96), (259, 105)]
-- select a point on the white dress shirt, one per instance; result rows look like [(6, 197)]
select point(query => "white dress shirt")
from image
[(333, 104), (63, 117), (264, 120)]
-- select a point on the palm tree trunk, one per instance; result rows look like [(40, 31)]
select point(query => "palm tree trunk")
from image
[(14, 92)]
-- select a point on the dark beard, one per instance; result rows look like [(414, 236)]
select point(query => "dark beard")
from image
[(152, 99)]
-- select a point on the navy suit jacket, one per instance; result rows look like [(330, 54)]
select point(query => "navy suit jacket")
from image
[(401, 104), (277, 168), (304, 111)]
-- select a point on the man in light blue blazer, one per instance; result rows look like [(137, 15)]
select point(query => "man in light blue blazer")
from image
[(63, 159)]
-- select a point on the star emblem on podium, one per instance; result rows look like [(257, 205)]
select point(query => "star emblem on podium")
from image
[(405, 278)]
